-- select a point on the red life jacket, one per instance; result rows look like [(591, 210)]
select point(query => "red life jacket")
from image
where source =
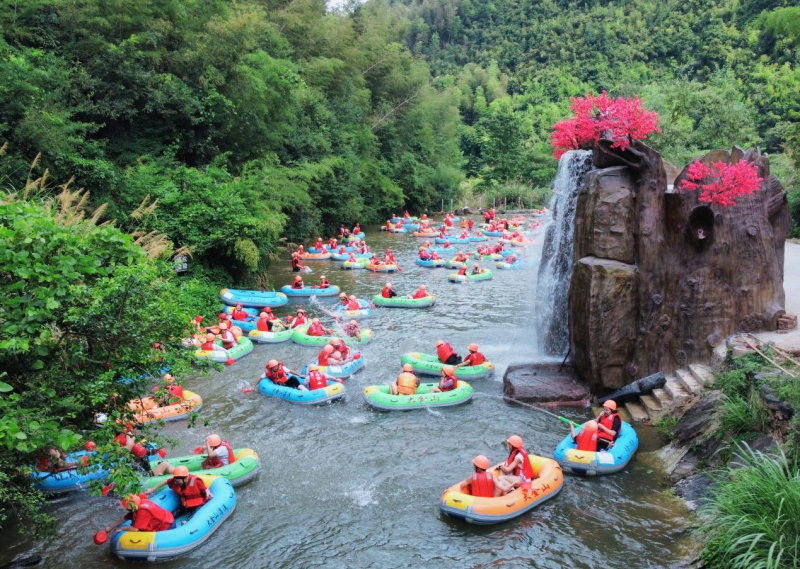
[(475, 358), (608, 423), (318, 244), (240, 315), (448, 222), (343, 349), (316, 380), (323, 358), (351, 330), (208, 346), (299, 321), (324, 283), (263, 324), (444, 351), (448, 383), (278, 377), (462, 271), (385, 292), (229, 339), (193, 494), (424, 255), (174, 390), (483, 484), (353, 305), (295, 262), (316, 329), (152, 517), (215, 462), (527, 469), (420, 294), (586, 441), (298, 285)]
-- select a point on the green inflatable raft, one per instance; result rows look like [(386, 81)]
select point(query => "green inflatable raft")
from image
[(244, 468), (301, 337), (379, 397), (403, 302), (484, 275), (427, 364)]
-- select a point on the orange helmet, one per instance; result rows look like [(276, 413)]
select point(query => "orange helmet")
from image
[(272, 363), (481, 462), (328, 349), (313, 367), (214, 440), (342, 295), (408, 367), (315, 320), (336, 341), (298, 278), (422, 287), (591, 426), (439, 343), (473, 347), (611, 404), (353, 322), (262, 315), (515, 441), (388, 285), (449, 370), (180, 471), (131, 502), (210, 337), (351, 297), (223, 325)]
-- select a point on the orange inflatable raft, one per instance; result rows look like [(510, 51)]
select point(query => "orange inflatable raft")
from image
[(485, 511), (146, 409)]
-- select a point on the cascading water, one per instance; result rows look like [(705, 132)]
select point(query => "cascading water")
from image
[(555, 270)]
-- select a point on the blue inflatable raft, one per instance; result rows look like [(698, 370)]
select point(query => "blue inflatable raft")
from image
[(453, 240), (254, 298), (310, 291), (333, 392), (340, 372), (597, 463), (346, 256), (364, 310), (68, 480), (431, 263)]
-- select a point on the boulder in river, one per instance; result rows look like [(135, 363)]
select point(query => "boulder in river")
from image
[(550, 382)]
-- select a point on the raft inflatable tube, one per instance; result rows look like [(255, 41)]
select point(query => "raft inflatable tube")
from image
[(586, 463), (315, 251), (403, 302), (169, 544), (145, 412), (379, 397), (221, 355), (316, 256), (363, 312), (350, 265), (548, 482), (68, 480), (341, 371), (427, 364), (411, 227), (453, 264), (356, 236), (425, 233), (430, 263), (327, 394), (332, 290), (270, 337), (253, 298), (382, 268), (511, 267), (346, 256), (484, 275), (493, 233), (398, 230), (301, 337), (243, 470), (476, 238), (452, 240), (250, 310), (246, 325), (489, 257)]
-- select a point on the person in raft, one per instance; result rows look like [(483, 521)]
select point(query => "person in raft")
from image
[(476, 269), (298, 282), (353, 330), (240, 314), (316, 329), (388, 257), (229, 339), (375, 260), (474, 358), (297, 266), (406, 383), (191, 490), (352, 304), (208, 345), (387, 291), (586, 439), (52, 460), (462, 271), (318, 245), (169, 391), (324, 282), (460, 257), (267, 322), (608, 425), (446, 353), (483, 484), (517, 468), (448, 381), (277, 375), (316, 379), (420, 293), (425, 254), (300, 319), (344, 352), (144, 515)]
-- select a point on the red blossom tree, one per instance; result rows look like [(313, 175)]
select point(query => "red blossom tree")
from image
[(721, 183), (620, 120)]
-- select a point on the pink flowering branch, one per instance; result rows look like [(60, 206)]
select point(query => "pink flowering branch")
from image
[(721, 183)]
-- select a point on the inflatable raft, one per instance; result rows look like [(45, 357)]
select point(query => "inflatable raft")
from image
[(597, 463), (484, 275), (327, 394), (431, 263), (68, 480), (362, 312), (477, 238), (301, 337), (332, 290), (350, 265), (425, 233), (452, 240), (548, 481), (245, 325), (453, 264), (316, 256), (270, 337), (403, 302), (427, 364), (490, 257), (253, 298), (244, 468), (169, 544), (379, 397), (340, 371), (357, 236), (493, 233), (346, 255), (398, 230), (145, 410), (382, 268), (222, 355)]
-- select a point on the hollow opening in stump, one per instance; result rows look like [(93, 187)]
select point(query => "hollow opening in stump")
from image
[(701, 225)]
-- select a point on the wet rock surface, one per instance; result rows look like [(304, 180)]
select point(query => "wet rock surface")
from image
[(544, 383)]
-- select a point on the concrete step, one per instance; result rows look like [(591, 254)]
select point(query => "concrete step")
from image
[(702, 374), (688, 382), (676, 391), (650, 403), (637, 412), (663, 397)]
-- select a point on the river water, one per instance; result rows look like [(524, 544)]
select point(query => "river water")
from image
[(345, 486)]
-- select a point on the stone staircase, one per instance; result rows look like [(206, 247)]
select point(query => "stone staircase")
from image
[(679, 390)]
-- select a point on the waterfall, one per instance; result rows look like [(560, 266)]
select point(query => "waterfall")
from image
[(555, 270)]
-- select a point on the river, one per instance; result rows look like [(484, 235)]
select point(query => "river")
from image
[(345, 486)]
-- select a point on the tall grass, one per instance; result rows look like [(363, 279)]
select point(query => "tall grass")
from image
[(744, 414), (754, 514)]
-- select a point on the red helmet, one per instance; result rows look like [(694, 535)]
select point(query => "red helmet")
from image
[(139, 451), (131, 502)]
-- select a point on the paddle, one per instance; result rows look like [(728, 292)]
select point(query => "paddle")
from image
[(567, 421)]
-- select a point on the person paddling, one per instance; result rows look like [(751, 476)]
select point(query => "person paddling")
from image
[(144, 515), (608, 425), (586, 439), (191, 490)]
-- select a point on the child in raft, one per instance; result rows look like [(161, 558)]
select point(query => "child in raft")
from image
[(586, 439), (406, 383), (352, 330), (448, 381), (483, 484)]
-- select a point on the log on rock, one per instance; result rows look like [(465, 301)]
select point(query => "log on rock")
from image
[(544, 382), (636, 389)]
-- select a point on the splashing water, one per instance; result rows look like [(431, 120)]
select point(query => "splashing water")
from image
[(555, 269)]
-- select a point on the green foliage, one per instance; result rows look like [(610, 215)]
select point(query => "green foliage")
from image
[(754, 514), (744, 414), (665, 425)]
